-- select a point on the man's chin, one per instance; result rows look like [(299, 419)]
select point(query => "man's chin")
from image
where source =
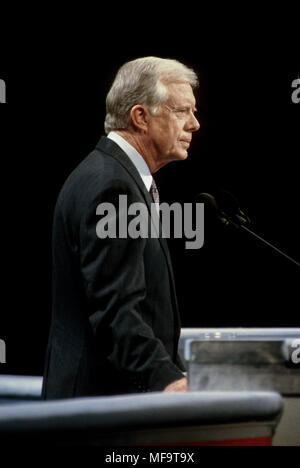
[(179, 156), (182, 155)]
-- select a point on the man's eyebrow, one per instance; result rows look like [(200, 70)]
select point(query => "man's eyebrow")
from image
[(178, 107), (186, 106), (191, 106)]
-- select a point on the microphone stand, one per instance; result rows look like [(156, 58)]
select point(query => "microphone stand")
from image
[(236, 218), (241, 225), (268, 243)]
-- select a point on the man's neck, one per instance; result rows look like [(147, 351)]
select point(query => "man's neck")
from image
[(139, 143)]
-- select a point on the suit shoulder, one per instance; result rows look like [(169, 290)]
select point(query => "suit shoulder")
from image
[(96, 174), (93, 173)]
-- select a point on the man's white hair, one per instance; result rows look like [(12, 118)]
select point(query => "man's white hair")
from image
[(142, 81)]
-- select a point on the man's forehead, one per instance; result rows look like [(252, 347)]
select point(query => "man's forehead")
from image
[(179, 92)]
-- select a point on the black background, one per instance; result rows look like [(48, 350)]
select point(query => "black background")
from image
[(248, 143)]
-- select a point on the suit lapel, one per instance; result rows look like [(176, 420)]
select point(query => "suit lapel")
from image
[(112, 149)]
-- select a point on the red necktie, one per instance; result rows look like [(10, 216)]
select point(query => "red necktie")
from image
[(155, 195)]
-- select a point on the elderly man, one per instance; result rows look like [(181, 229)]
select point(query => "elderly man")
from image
[(115, 322)]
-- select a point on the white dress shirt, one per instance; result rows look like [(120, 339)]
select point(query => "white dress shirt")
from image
[(135, 157)]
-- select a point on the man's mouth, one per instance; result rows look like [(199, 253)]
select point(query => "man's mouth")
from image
[(186, 142)]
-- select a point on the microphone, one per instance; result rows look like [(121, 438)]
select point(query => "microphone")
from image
[(230, 205), (212, 208), (227, 210)]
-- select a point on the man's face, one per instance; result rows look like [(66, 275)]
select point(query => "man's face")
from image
[(170, 131)]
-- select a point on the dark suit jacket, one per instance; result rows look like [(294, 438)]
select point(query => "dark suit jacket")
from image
[(115, 322)]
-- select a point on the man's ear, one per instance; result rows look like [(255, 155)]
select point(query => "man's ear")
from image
[(140, 117)]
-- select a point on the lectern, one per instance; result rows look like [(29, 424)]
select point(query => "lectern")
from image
[(228, 359)]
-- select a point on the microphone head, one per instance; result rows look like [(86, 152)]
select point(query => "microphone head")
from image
[(230, 206), (224, 208), (209, 201), (228, 203), (211, 207)]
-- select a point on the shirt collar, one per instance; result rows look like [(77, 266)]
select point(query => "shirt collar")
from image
[(135, 157)]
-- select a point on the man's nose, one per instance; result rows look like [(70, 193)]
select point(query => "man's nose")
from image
[(193, 124)]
